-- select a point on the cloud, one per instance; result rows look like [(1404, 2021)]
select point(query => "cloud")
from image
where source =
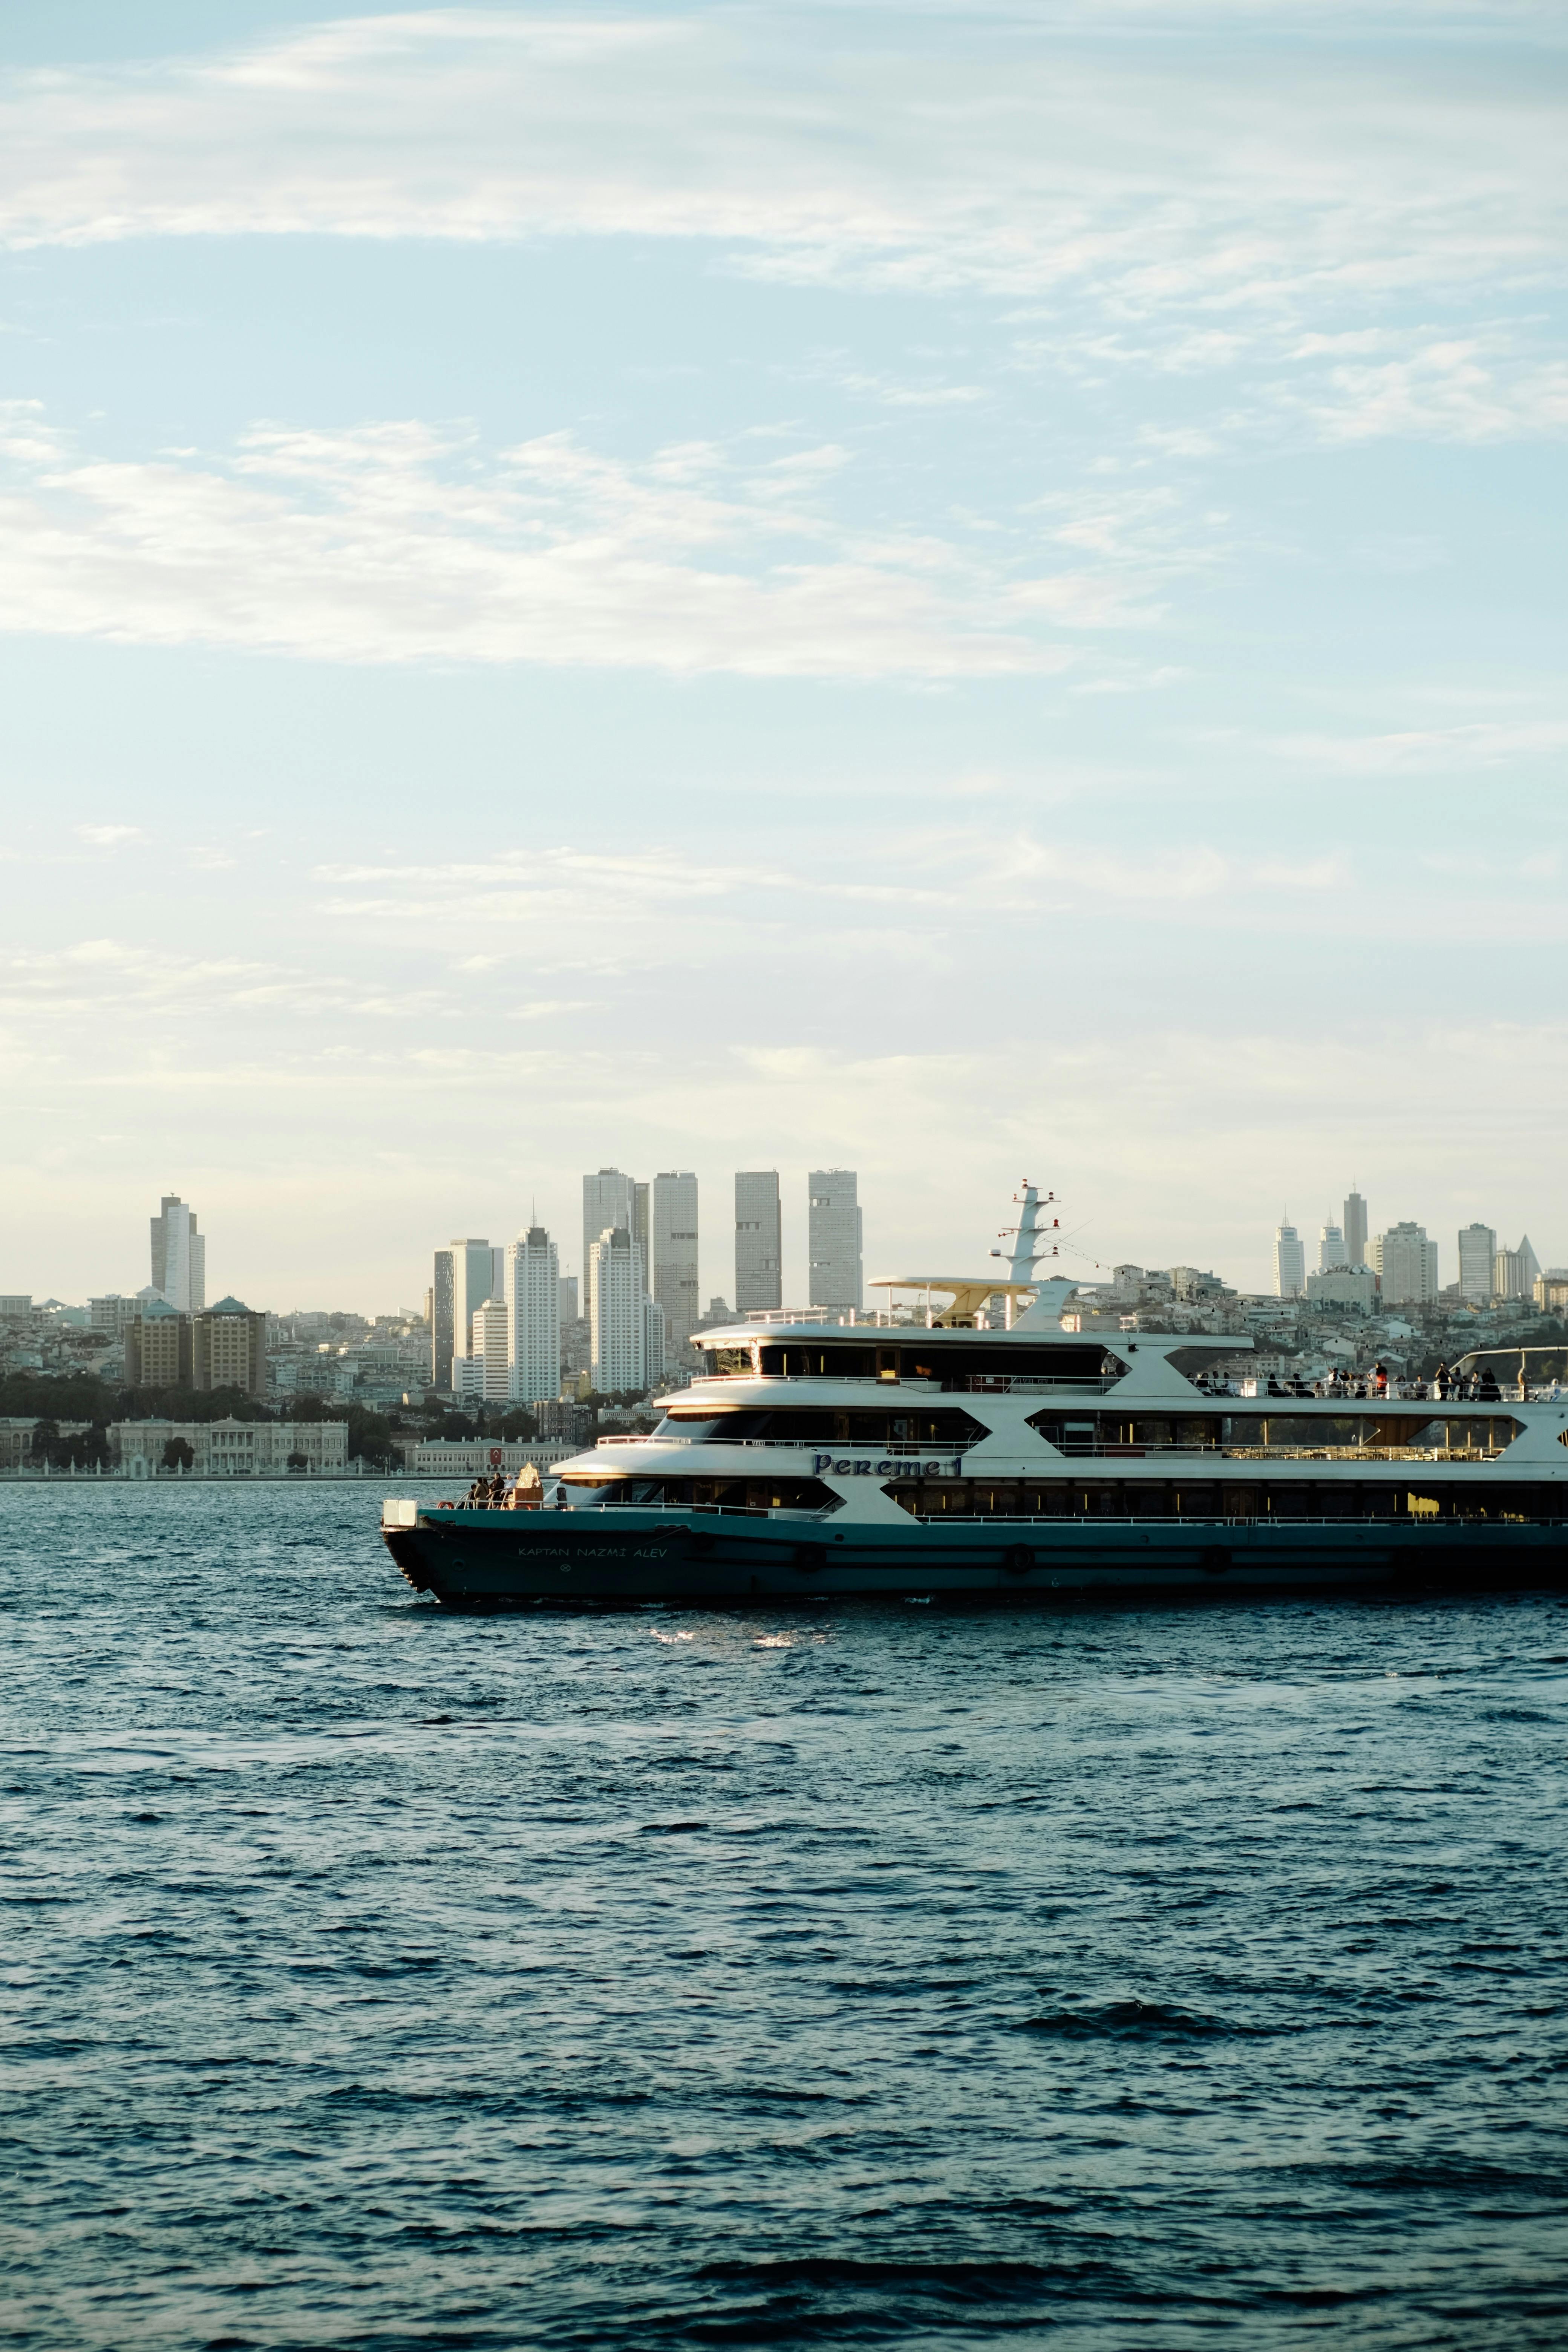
[(1480, 743), (998, 149), (107, 836), (402, 542)]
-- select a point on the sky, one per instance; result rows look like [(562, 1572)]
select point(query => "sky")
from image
[(964, 592)]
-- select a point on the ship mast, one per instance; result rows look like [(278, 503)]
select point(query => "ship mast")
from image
[(1031, 1236)]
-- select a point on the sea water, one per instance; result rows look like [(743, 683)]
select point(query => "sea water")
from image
[(378, 1976)]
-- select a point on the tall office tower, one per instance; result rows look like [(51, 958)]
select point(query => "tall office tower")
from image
[(158, 1347), (1355, 1229), (228, 1348), (672, 1217), (609, 1199), (832, 1237), (569, 1307), (619, 1313), (1289, 1262), (465, 1278), (758, 1252), (1406, 1264), (1516, 1271), (491, 1330), (1332, 1248), (1478, 1255), (497, 1272), (532, 1294), (642, 1230), (179, 1257), (656, 1335)]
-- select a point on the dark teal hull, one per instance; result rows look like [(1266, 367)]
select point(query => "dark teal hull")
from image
[(494, 1559)]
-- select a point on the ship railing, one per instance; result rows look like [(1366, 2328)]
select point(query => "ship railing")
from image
[(721, 1510), (1031, 1383), (900, 1448)]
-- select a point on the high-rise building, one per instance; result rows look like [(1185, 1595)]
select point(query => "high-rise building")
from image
[(179, 1256), (570, 1310), (1406, 1264), (609, 1199), (465, 1279), (533, 1289), (490, 1352), (1516, 1271), (759, 1251), (619, 1313), (1331, 1248), (228, 1348), (1478, 1255), (673, 1261), (1289, 1262), (832, 1237), (1355, 1228), (158, 1348)]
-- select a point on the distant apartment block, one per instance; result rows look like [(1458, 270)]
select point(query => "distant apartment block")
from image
[(619, 1313), (1289, 1262), (609, 1200), (1406, 1264), (534, 1290), (759, 1248), (1516, 1271), (833, 1238), (1478, 1255), (158, 1348), (490, 1352), (228, 1348), (465, 1277)]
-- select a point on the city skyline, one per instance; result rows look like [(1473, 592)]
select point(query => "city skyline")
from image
[(1254, 1270), (963, 644)]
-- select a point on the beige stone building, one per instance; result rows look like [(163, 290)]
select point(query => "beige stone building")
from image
[(233, 1449)]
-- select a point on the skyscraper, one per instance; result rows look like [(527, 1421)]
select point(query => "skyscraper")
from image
[(1355, 1228), (465, 1279), (1406, 1264), (609, 1199), (1477, 1254), (489, 1328), (832, 1237), (673, 1228), (179, 1256), (759, 1251), (1289, 1262), (1331, 1248), (1516, 1271), (533, 1289), (619, 1313)]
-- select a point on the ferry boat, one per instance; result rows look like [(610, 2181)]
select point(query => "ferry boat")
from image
[(938, 1458)]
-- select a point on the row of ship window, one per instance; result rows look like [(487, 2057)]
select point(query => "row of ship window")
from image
[(948, 1426), (1110, 1498)]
